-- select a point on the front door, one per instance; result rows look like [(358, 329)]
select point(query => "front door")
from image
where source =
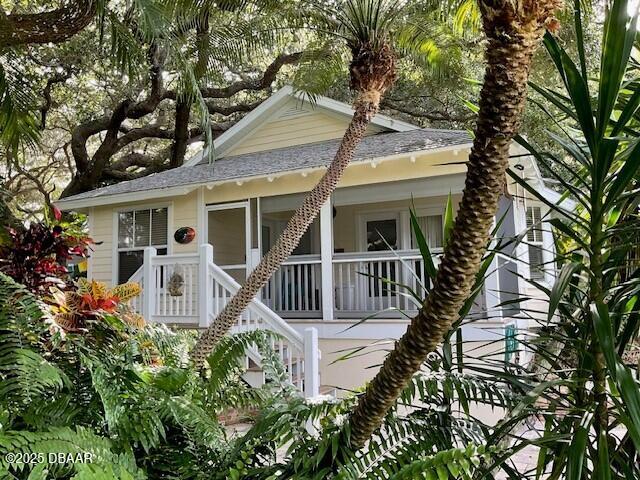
[(382, 235), (228, 231)]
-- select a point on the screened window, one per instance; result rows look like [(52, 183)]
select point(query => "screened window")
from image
[(432, 228), (382, 235), (138, 229), (534, 240)]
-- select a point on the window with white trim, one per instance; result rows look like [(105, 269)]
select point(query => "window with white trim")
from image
[(432, 229), (138, 229), (535, 243)]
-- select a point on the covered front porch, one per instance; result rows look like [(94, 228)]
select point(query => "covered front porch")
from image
[(350, 263)]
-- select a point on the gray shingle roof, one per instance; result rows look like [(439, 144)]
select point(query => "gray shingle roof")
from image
[(270, 162)]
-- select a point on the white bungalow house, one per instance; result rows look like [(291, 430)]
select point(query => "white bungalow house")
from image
[(239, 204)]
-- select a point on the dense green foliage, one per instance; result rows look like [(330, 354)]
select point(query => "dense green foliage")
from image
[(68, 87), (592, 397), (130, 399), (123, 395)]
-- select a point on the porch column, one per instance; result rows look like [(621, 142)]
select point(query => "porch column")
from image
[(492, 291), (311, 364), (326, 257), (492, 282)]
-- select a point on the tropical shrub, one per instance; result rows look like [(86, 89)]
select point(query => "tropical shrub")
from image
[(36, 255), (74, 307), (586, 395), (124, 395)]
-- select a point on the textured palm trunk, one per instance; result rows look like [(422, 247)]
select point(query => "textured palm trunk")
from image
[(513, 33), (366, 106)]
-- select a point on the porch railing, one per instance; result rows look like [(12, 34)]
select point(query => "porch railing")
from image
[(359, 286), (295, 289), (369, 282)]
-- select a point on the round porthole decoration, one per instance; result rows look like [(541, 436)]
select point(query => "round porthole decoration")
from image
[(184, 235)]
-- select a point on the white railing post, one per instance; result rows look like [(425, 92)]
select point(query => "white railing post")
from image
[(492, 290), (254, 260), (149, 279), (326, 257), (205, 293), (311, 363)]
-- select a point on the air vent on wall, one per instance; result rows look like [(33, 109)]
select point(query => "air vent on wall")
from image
[(292, 112)]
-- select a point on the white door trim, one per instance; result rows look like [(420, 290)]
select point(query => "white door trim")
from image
[(246, 204)]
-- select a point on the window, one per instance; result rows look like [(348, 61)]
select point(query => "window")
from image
[(534, 240), (432, 229), (138, 229), (382, 235)]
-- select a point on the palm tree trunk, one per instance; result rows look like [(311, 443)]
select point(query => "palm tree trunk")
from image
[(366, 106), (513, 33)]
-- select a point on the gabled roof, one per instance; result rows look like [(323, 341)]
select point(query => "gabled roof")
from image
[(261, 114), (298, 158)]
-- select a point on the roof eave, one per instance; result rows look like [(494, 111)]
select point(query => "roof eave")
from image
[(128, 197), (83, 203)]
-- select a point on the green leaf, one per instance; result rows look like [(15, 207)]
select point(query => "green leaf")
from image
[(622, 376), (560, 285), (576, 86), (576, 453), (448, 220), (603, 468), (628, 112), (624, 177), (430, 269), (620, 30)]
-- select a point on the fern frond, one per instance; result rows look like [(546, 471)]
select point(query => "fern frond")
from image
[(24, 373), (18, 121), (57, 448), (201, 427), (429, 388), (449, 464), (226, 358)]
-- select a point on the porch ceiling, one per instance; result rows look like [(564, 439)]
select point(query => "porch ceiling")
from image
[(261, 164)]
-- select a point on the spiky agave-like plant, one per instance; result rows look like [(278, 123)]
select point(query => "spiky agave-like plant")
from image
[(514, 30)]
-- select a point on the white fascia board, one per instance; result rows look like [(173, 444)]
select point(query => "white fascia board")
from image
[(123, 198), (185, 189), (379, 120), (376, 160), (556, 198), (248, 123), (385, 329), (534, 177)]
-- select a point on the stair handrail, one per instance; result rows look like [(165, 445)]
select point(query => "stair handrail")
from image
[(273, 320)]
